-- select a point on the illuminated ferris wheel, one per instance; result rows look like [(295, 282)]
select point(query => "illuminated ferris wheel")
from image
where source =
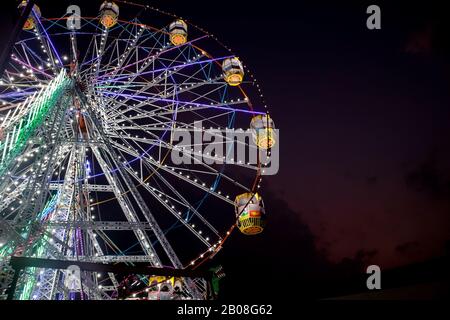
[(91, 168)]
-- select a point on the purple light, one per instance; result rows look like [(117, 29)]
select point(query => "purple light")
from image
[(29, 66), (16, 94), (165, 69), (164, 51), (48, 38), (202, 105)]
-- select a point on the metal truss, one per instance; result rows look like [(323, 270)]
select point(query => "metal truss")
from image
[(94, 180)]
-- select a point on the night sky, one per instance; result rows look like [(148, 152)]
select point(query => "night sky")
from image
[(364, 121), (364, 135)]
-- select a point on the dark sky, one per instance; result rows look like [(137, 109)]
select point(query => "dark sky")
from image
[(363, 116), (364, 124), (364, 120)]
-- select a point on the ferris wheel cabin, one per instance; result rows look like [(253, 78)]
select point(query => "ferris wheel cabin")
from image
[(262, 128), (109, 13), (47, 111), (233, 71), (30, 23), (178, 32), (162, 288), (250, 213)]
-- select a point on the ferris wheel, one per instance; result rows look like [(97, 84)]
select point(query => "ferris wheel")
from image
[(91, 164)]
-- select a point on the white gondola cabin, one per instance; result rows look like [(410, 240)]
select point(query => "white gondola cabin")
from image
[(109, 13), (178, 31), (250, 212), (263, 131), (233, 71), (30, 23)]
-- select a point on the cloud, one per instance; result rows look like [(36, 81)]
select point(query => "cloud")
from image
[(284, 259), (430, 37), (407, 247), (372, 180), (430, 178), (420, 42)]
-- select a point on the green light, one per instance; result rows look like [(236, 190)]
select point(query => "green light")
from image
[(43, 103), (30, 279)]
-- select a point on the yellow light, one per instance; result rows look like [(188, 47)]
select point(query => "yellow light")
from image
[(265, 139), (251, 226), (29, 24), (108, 20), (178, 39), (234, 79)]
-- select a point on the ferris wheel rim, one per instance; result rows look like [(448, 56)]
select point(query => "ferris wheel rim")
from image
[(250, 105), (248, 101)]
